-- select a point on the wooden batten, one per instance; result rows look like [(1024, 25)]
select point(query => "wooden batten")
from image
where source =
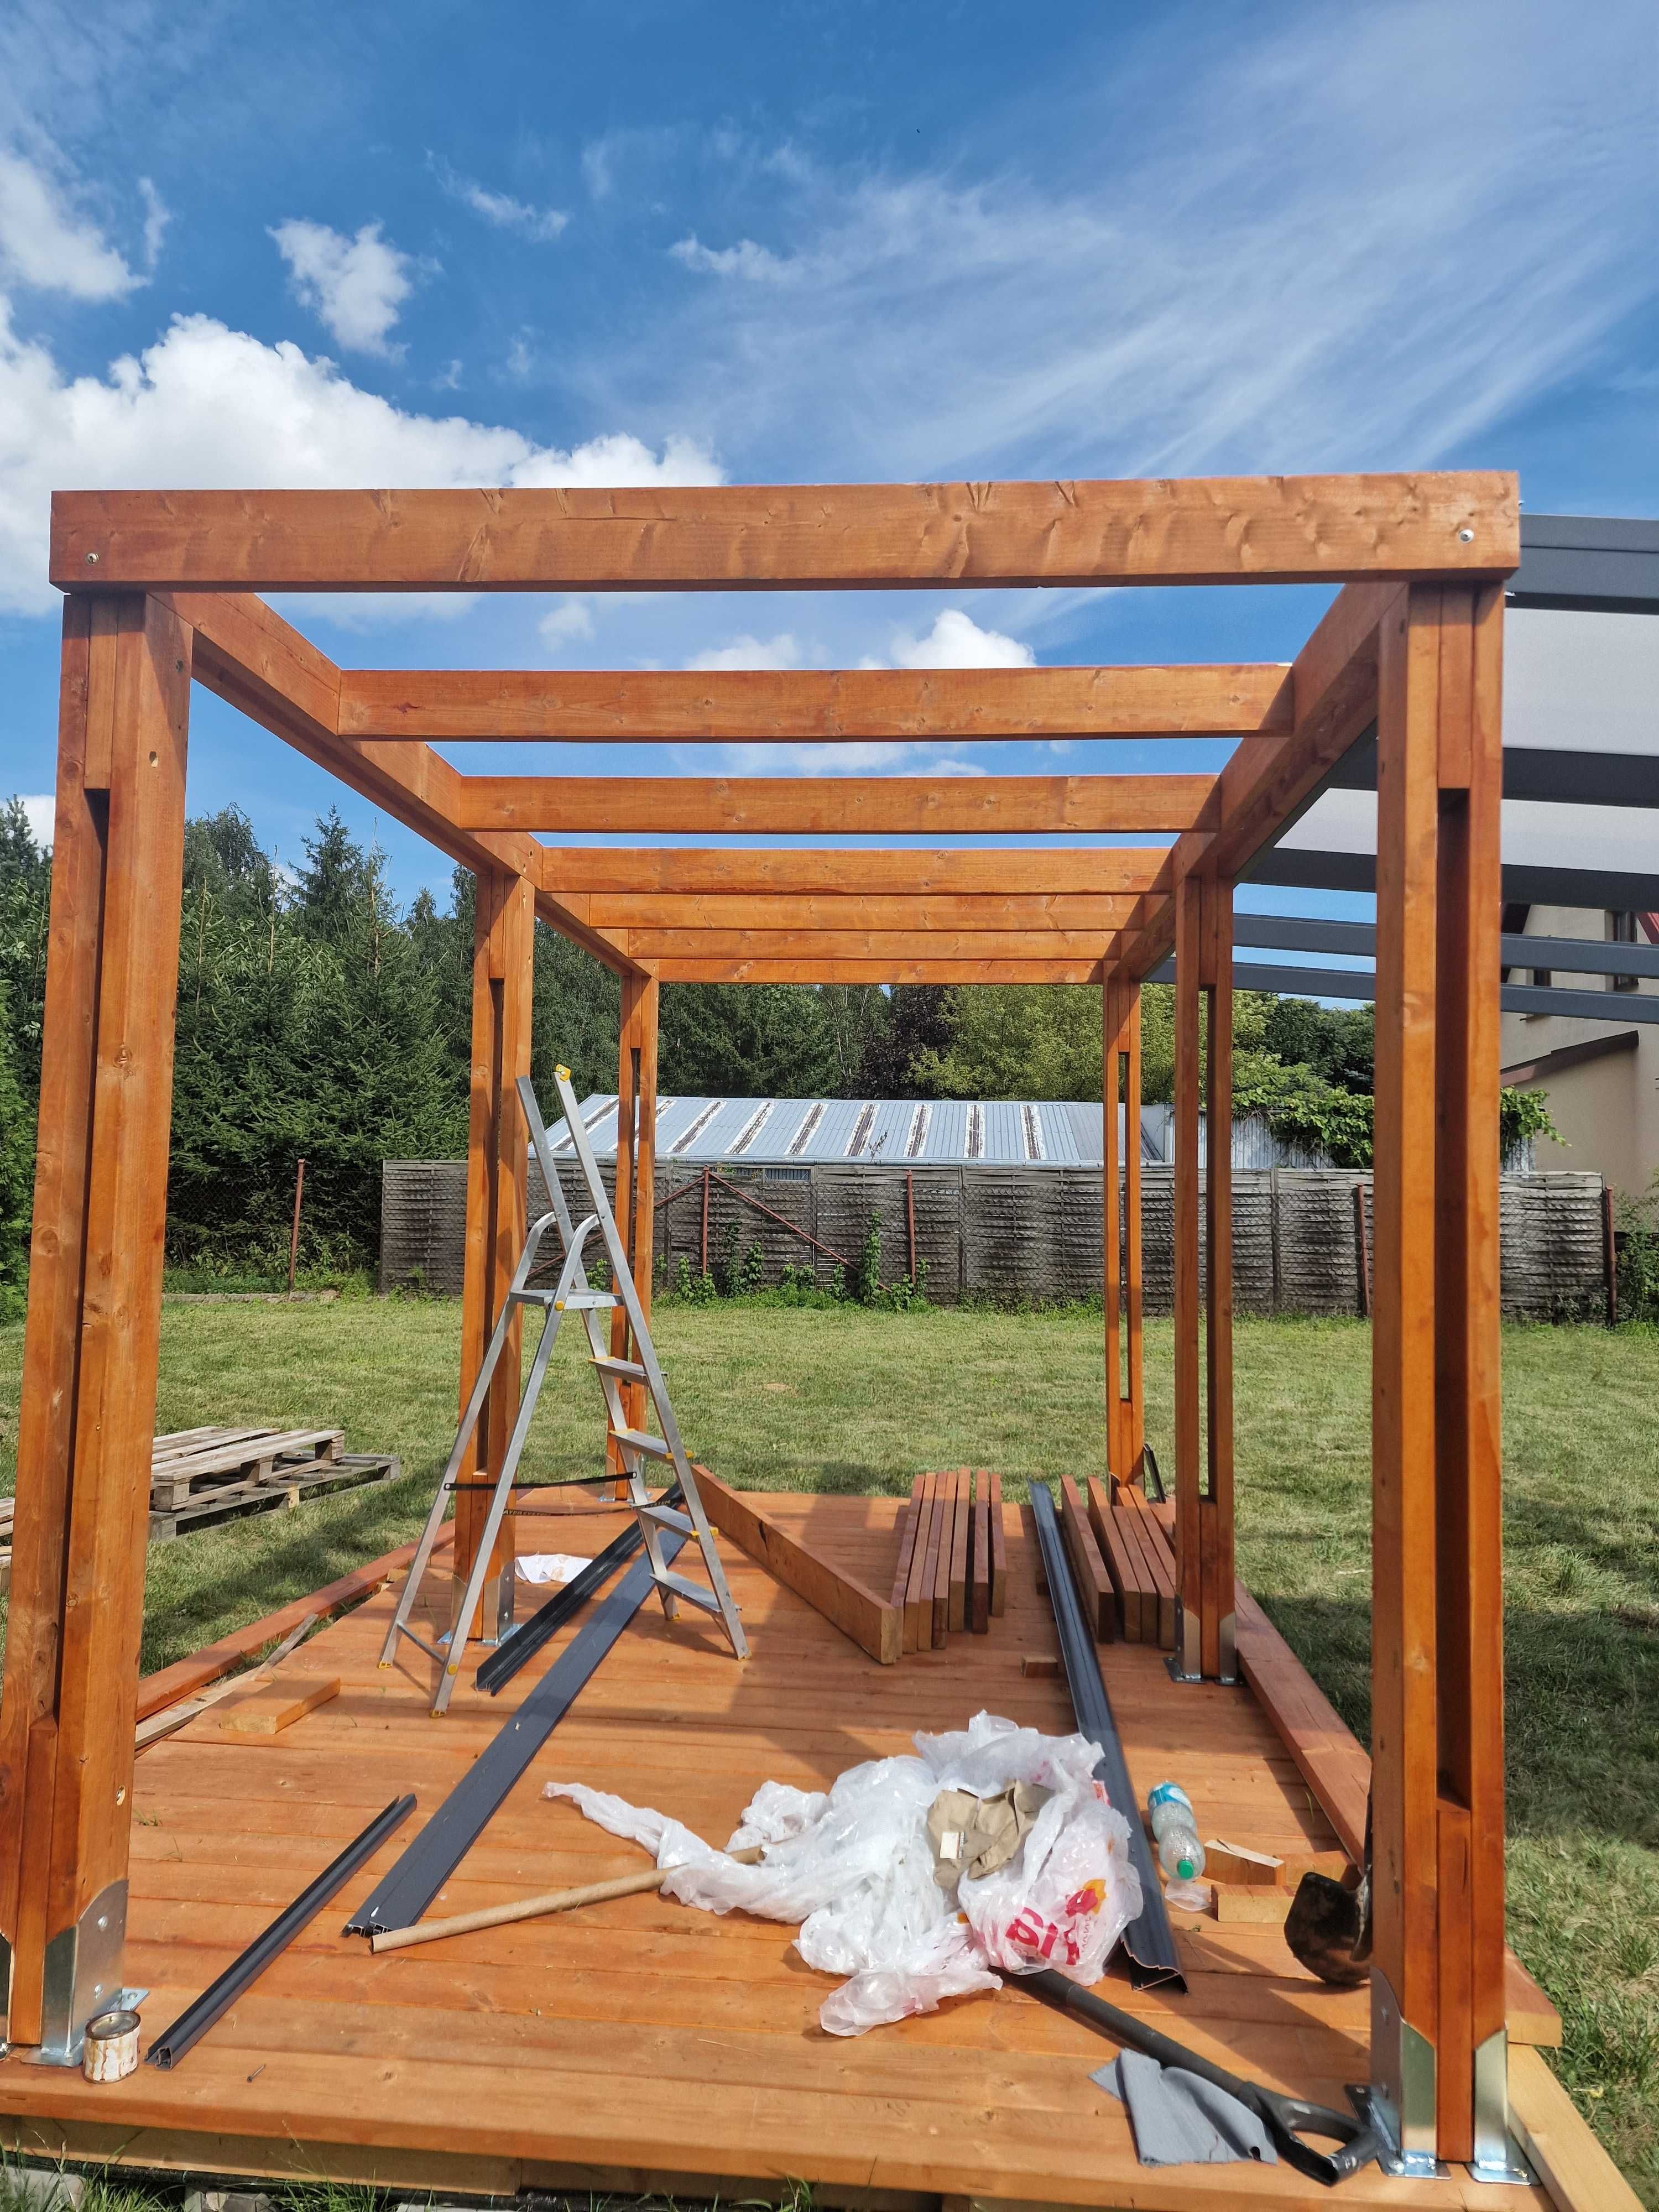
[(691, 873)]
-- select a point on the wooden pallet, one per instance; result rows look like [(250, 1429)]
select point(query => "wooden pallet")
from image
[(182, 1463), (287, 1486)]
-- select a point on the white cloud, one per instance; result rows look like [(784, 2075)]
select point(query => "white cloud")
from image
[(206, 406), (757, 264), (39, 809), (855, 757), (157, 216), (355, 286), (44, 244), (569, 620), (778, 652), (541, 225), (956, 641), (1429, 217)]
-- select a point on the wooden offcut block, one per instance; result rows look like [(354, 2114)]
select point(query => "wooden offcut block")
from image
[(278, 1704), (1256, 1902)]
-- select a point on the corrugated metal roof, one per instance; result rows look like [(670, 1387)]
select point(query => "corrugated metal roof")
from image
[(897, 1131)]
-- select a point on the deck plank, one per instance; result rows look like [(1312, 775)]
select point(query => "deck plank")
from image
[(522, 2048)]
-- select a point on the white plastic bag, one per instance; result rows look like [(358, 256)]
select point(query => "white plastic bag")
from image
[(854, 1868)]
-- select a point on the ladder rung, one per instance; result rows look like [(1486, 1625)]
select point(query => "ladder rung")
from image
[(693, 1592), (630, 1368), (637, 1440), (670, 1516), (584, 1302), (527, 1297)]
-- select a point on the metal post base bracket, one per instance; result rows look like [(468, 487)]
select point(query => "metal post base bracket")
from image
[(82, 1977), (1399, 2165)]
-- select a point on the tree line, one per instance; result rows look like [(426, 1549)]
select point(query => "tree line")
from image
[(319, 1019)]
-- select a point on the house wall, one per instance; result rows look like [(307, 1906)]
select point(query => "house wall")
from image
[(1607, 1109)]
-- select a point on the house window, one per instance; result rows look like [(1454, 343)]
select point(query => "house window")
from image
[(1542, 978), (1622, 931)]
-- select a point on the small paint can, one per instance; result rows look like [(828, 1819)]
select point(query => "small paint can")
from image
[(110, 2051)]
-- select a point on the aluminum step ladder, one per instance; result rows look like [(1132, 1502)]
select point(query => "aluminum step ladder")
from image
[(636, 1448)]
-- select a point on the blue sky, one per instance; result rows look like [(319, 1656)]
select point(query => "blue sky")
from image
[(635, 241)]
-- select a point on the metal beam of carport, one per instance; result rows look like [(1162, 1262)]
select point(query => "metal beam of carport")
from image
[(1359, 984)]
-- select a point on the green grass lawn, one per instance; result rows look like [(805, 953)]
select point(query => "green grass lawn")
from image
[(850, 1400)]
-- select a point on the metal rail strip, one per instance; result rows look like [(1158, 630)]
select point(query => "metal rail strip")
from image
[(406, 1892), (528, 1637), (1149, 1940), (193, 2023)]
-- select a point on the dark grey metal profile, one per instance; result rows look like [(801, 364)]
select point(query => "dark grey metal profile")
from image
[(406, 1892), (1148, 1940), (1601, 565), (1615, 890), (193, 2023), (528, 1637), (1556, 775), (1359, 984), (1572, 956)]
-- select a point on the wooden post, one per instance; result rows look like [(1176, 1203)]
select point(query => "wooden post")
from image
[(1216, 1545), (1189, 1614), (1439, 2053), (1135, 1439), (88, 1412), (1609, 1255), (503, 970), (637, 1155), (1204, 1420), (1362, 1252), (1111, 1225)]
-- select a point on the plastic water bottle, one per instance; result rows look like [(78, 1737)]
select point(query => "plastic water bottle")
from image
[(1181, 1855)]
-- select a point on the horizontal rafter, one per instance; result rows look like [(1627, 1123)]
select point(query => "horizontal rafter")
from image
[(785, 911), (1220, 530), (648, 946), (1109, 870), (879, 805), (878, 971), (771, 706)]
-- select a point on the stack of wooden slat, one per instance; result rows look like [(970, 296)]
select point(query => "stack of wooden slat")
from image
[(1121, 1562), (952, 1566), (202, 1476)]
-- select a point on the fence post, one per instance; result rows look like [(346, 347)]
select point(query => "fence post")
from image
[(1361, 1253), (1609, 1255), (703, 1269), (910, 1220), (294, 1234)]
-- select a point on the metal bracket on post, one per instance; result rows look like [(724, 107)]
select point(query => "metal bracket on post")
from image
[(1399, 2100), (82, 1977), (1498, 2157), (1228, 1633), (1186, 1662)]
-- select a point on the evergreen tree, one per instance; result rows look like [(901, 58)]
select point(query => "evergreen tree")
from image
[(25, 904), (920, 1018), (16, 1173), (745, 1040)]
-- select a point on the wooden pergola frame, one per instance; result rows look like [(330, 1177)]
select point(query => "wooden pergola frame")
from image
[(159, 591)]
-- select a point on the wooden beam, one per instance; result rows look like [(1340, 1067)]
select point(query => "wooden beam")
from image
[(1187, 1409), (873, 1623), (839, 806), (87, 1416), (649, 946), (1216, 1530), (817, 705), (1333, 683), (900, 873), (1223, 530), (785, 971), (246, 654), (1023, 914), (503, 967)]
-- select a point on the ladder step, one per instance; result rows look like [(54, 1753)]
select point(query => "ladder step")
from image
[(585, 1302), (669, 1517), (524, 1298), (630, 1368), (638, 1440), (693, 1592)]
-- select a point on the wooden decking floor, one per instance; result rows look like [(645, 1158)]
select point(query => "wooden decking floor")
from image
[(640, 2045)]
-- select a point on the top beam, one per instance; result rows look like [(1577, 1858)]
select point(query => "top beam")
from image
[(1221, 529), (766, 706)]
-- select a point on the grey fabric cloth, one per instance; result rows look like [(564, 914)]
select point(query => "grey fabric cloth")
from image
[(1179, 2118)]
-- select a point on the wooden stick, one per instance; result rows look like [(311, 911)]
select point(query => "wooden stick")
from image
[(155, 1726), (532, 1908)]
